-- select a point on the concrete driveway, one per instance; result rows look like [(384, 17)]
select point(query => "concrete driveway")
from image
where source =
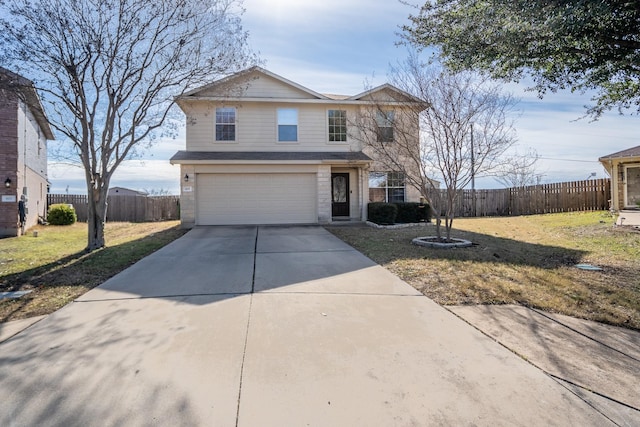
[(269, 326)]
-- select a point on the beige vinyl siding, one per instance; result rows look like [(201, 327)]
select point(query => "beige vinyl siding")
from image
[(262, 86), (256, 128)]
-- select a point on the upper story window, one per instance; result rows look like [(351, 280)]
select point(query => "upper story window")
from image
[(384, 122), (225, 124), (287, 124), (337, 125)]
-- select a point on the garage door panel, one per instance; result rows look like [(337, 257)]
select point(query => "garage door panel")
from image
[(256, 198)]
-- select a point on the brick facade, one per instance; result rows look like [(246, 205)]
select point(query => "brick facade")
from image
[(187, 198), (620, 187), (8, 163), (324, 194), (24, 131)]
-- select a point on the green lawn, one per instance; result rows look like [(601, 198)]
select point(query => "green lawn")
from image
[(56, 269)]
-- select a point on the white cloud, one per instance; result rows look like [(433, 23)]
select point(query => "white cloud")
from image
[(134, 174), (333, 45), (148, 175), (323, 16)]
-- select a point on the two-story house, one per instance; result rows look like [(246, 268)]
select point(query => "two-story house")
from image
[(24, 131), (261, 149)]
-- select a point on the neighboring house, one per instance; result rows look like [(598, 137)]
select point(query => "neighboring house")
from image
[(24, 131), (624, 169), (121, 191), (261, 149)]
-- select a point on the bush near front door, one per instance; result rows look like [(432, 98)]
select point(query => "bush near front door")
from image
[(394, 213)]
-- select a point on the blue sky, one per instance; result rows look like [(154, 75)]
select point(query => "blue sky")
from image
[(339, 46)]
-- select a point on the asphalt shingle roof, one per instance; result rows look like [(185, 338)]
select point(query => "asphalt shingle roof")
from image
[(629, 152)]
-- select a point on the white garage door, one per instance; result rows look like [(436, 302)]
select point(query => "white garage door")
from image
[(259, 198)]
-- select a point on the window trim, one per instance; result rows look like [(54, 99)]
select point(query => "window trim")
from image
[(388, 187), (385, 117), (329, 125), (234, 124), (296, 124), (628, 166)]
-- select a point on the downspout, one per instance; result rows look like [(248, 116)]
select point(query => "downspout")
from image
[(25, 197), (614, 197), (360, 192), (364, 172)]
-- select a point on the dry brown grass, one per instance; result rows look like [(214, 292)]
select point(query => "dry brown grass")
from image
[(520, 260)]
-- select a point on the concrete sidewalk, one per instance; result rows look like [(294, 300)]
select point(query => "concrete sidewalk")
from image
[(269, 326), (600, 363)]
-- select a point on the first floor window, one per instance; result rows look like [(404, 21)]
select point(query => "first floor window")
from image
[(287, 124), (337, 125), (225, 124), (386, 187)]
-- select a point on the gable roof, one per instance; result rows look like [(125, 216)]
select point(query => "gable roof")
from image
[(25, 89), (629, 152), (242, 75), (370, 94), (386, 93)]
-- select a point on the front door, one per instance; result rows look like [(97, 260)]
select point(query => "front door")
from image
[(339, 194), (632, 195)]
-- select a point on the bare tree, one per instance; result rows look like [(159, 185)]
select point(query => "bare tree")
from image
[(464, 127), (109, 70), (519, 170)]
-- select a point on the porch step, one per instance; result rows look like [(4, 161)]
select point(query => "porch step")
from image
[(629, 217)]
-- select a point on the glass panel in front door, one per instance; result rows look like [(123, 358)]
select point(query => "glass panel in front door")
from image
[(339, 189), (633, 186)]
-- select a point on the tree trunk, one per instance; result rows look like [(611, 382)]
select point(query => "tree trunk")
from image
[(449, 224), (96, 217)]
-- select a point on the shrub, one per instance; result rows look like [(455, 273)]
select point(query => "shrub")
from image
[(61, 214), (408, 212), (382, 213), (411, 212)]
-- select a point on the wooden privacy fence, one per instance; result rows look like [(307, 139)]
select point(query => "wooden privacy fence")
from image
[(589, 195), (125, 208)]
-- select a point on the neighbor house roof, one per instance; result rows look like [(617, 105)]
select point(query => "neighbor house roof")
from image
[(269, 156), (114, 190), (25, 88), (336, 97), (629, 152)]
